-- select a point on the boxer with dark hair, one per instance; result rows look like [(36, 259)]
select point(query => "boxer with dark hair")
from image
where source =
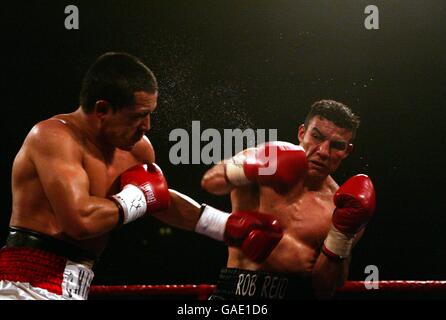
[(321, 221), (79, 176)]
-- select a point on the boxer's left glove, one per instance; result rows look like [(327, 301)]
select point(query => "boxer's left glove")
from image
[(279, 165), (255, 233), (143, 190), (355, 204)]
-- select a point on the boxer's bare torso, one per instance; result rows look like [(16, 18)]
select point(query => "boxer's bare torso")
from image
[(32, 207), (305, 216)]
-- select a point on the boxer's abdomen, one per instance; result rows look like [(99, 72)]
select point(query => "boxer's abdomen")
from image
[(290, 255)]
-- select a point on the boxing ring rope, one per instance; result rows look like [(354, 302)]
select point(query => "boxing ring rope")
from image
[(202, 291), (395, 286)]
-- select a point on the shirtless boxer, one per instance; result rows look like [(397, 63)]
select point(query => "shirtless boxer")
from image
[(321, 221), (78, 176)]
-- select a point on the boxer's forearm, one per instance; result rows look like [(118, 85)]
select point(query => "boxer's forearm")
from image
[(328, 275), (214, 180), (96, 217), (182, 213)]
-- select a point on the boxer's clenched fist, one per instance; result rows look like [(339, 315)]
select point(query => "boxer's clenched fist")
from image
[(355, 205), (255, 233), (279, 165), (144, 189)]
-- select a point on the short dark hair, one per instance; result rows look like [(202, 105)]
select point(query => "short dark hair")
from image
[(336, 112), (115, 77)]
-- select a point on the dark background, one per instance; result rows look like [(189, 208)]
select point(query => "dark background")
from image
[(258, 64)]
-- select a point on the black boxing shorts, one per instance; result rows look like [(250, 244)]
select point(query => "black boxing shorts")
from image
[(36, 266), (239, 284)]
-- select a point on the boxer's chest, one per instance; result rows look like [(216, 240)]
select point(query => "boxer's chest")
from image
[(310, 217), (305, 216), (104, 175)]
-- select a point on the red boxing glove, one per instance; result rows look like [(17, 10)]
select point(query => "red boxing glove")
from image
[(256, 234), (355, 204), (279, 165), (144, 189)]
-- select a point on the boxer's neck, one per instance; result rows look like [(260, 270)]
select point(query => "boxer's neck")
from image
[(314, 183), (90, 126)]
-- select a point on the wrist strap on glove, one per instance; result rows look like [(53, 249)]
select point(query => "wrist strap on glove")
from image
[(337, 245), (212, 222), (234, 171), (131, 202)]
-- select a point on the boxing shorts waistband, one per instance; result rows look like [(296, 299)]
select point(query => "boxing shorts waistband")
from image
[(34, 270), (239, 284), (24, 238)]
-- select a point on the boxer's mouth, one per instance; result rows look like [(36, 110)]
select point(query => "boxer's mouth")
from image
[(318, 164)]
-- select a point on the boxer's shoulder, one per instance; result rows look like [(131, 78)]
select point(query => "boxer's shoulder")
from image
[(53, 134), (143, 151), (57, 125)]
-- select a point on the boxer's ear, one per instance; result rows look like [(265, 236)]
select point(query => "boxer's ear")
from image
[(349, 148), (301, 133), (101, 108)]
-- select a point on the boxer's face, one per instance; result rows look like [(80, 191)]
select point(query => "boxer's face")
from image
[(326, 146), (125, 127)]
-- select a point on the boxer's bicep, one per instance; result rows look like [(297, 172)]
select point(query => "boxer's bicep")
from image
[(58, 161), (214, 180), (67, 189)]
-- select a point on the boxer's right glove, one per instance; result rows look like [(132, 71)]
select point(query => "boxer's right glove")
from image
[(256, 234), (355, 205), (278, 164), (144, 189)]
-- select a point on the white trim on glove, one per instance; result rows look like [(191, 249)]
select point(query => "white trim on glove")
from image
[(212, 223), (339, 243), (132, 201), (234, 170)]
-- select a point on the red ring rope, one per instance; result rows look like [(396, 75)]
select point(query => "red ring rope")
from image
[(395, 286), (202, 291)]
